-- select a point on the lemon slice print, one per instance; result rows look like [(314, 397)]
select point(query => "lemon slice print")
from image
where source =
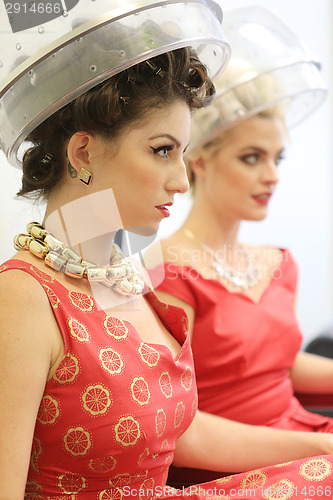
[(165, 384), (96, 399), (148, 354), (116, 328), (67, 370), (281, 490), (316, 469), (111, 361), (179, 414), (104, 464), (71, 484), (127, 431), (186, 379), (78, 330), (82, 301), (254, 480), (160, 422), (140, 391), (77, 441), (48, 410)]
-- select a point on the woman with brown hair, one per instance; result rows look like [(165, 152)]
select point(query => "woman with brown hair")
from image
[(98, 393)]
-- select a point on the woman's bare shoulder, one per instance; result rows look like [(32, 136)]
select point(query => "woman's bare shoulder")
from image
[(27, 319), (22, 296)]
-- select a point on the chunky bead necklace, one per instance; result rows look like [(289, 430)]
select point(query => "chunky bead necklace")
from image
[(247, 279), (121, 275)]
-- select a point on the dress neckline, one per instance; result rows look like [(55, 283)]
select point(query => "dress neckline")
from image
[(242, 295), (158, 306)]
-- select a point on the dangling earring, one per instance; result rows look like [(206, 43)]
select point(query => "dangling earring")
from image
[(71, 170), (85, 176)]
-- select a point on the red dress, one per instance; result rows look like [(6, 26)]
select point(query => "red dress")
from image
[(243, 350), (110, 416)]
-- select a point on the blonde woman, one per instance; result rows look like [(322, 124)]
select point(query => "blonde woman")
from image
[(240, 298)]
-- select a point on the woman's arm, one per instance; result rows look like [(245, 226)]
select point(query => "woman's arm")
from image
[(218, 444), (312, 374), (25, 358)]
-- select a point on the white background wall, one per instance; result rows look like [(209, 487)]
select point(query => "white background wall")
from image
[(301, 212)]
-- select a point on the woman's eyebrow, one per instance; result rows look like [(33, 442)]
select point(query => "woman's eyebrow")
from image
[(260, 150), (254, 148), (168, 136)]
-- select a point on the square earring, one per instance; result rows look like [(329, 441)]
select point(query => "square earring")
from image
[(85, 176)]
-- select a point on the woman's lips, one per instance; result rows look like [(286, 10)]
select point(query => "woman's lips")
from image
[(164, 209), (263, 198)]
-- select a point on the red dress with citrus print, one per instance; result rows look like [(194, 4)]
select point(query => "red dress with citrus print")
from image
[(110, 416)]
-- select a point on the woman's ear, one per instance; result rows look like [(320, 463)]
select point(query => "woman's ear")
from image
[(198, 166), (79, 149)]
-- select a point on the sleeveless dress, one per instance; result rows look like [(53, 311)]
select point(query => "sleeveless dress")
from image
[(243, 350), (109, 417)]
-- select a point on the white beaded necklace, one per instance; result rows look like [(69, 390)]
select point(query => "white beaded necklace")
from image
[(243, 280), (121, 275)]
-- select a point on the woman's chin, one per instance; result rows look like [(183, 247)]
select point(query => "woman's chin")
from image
[(257, 217), (142, 230)]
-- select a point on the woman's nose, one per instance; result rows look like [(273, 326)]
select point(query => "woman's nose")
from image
[(178, 181), (271, 175)]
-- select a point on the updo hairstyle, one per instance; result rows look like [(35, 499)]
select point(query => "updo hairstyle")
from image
[(108, 109), (239, 96)]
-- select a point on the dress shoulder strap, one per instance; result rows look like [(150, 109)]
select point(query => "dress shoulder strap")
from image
[(17, 264)]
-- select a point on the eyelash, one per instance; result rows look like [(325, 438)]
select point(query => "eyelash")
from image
[(167, 149)]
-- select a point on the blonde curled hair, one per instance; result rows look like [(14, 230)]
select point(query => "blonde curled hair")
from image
[(240, 94)]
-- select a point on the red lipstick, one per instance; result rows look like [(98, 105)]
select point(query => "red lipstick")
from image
[(262, 199), (164, 210)]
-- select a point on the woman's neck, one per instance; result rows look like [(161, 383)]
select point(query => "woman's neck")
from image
[(210, 228), (87, 225)]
